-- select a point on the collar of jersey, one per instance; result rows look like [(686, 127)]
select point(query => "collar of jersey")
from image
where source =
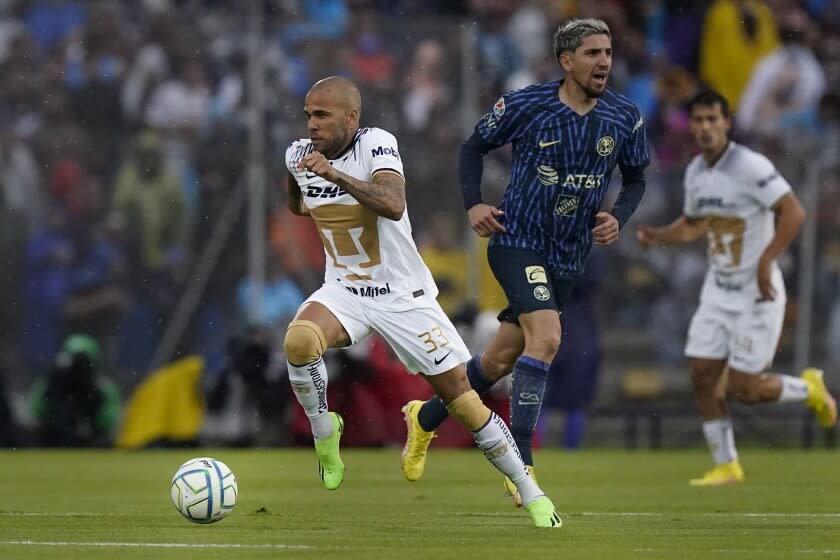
[(724, 156), (348, 148)]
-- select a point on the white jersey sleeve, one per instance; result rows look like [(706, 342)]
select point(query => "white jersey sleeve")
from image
[(763, 181), (296, 151), (381, 152)]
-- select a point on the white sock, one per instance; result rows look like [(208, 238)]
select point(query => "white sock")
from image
[(794, 389), (309, 382), (496, 441), (721, 440)]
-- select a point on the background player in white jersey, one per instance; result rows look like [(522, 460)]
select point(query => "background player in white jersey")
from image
[(734, 195), (350, 180)]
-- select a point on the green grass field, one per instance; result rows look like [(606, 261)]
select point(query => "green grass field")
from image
[(614, 504)]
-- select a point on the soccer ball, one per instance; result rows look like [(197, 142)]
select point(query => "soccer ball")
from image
[(204, 490)]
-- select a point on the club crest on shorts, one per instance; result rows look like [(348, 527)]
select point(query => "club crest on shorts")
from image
[(605, 145), (542, 293)]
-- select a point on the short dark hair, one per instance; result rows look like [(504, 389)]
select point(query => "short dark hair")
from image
[(709, 98)]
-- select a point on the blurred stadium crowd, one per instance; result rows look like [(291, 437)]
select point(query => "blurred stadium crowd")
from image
[(124, 131)]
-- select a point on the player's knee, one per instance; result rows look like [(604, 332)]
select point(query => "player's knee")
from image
[(469, 411), (745, 392), (544, 345), (704, 378), (304, 342)]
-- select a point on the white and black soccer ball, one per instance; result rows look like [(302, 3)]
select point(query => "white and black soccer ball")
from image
[(204, 490)]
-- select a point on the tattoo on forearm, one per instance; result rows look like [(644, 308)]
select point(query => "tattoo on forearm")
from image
[(385, 194)]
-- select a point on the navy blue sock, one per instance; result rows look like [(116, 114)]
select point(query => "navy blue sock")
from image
[(433, 412), (526, 397)]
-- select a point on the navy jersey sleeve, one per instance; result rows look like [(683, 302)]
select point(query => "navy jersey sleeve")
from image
[(503, 123), (634, 153)]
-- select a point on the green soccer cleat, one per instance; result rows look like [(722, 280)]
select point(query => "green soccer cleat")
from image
[(417, 442), (543, 513), (511, 491), (330, 465)]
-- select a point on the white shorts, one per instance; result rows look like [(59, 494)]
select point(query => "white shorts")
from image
[(748, 338), (423, 338)]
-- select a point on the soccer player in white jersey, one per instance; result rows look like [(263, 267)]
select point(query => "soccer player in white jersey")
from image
[(350, 180), (749, 214)]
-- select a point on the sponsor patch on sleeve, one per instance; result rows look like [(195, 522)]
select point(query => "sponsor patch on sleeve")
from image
[(499, 108), (767, 180)]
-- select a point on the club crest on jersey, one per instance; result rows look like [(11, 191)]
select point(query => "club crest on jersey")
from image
[(499, 108), (605, 145)]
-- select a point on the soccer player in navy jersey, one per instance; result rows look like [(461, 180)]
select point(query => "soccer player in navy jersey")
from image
[(567, 136)]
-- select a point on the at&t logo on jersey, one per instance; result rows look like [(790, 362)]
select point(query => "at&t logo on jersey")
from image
[(582, 180), (385, 151)]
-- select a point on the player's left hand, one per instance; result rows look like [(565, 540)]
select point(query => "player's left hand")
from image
[(765, 280), (606, 230), (319, 165)]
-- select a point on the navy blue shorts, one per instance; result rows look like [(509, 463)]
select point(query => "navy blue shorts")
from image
[(527, 283)]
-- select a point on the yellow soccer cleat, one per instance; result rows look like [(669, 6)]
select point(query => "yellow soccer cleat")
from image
[(819, 399), (510, 487), (728, 473), (417, 442)]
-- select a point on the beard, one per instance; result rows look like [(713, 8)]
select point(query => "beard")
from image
[(590, 92)]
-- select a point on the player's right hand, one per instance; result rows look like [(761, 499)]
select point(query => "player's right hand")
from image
[(646, 236), (483, 219)]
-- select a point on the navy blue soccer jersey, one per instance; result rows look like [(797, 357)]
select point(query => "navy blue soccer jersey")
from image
[(562, 163)]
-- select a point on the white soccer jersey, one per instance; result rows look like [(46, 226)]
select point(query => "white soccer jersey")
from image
[(736, 195), (370, 255)]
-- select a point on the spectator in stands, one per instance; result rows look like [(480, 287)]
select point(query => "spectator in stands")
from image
[(158, 223), (151, 199), (425, 84), (736, 35), (98, 294), (786, 85), (58, 136), (76, 405)]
